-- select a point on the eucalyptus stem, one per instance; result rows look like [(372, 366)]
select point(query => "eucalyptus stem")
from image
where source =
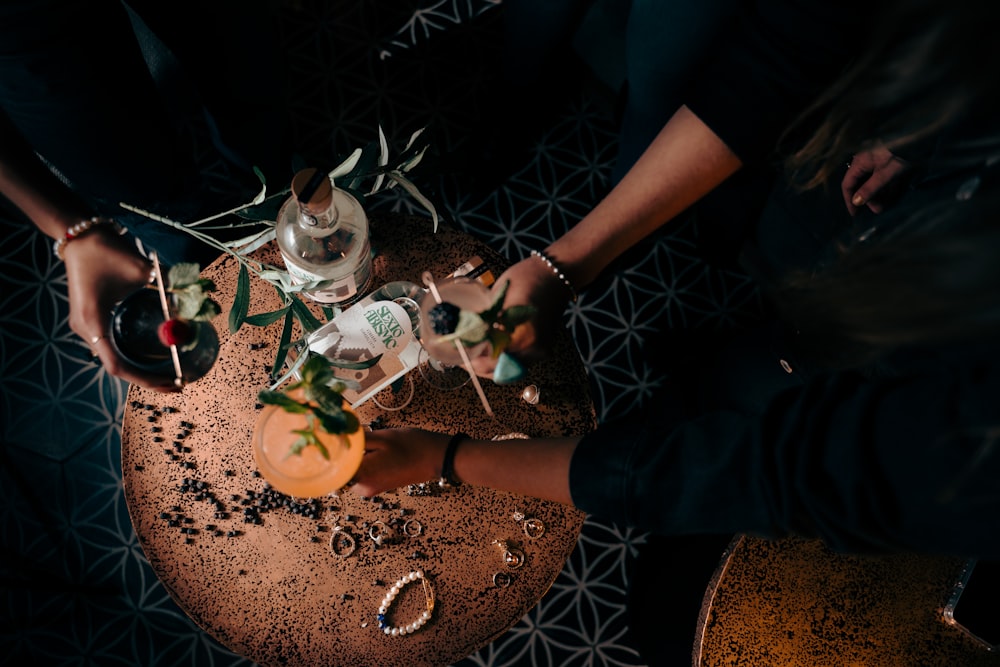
[(255, 266)]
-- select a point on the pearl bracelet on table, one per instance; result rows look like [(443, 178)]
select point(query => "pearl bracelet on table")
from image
[(77, 230), (391, 596), (556, 270)]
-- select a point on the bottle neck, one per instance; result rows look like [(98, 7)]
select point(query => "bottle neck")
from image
[(318, 221)]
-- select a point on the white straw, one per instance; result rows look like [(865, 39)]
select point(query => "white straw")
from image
[(475, 378), (179, 379), (428, 279)]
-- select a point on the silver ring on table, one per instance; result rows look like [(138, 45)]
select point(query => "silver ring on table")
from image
[(342, 543), (378, 532), (502, 579)]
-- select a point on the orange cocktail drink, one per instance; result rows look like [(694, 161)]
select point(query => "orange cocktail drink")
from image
[(309, 471)]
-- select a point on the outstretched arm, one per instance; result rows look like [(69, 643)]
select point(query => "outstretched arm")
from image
[(537, 467), (686, 161), (101, 267)]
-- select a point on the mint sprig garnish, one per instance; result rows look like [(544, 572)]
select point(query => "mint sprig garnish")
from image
[(323, 405), (190, 292)]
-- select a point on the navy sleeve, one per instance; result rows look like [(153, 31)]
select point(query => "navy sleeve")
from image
[(776, 58), (909, 463)]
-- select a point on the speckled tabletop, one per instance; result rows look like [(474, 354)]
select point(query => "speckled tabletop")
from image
[(794, 602), (258, 571)]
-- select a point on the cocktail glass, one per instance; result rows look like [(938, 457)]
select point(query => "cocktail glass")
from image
[(467, 294), (449, 352), (308, 473), (134, 324), (396, 396), (441, 376)]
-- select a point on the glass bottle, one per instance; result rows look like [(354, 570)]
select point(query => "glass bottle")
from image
[(322, 233), (382, 325)]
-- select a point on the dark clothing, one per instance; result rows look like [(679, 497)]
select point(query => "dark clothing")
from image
[(76, 85), (905, 462), (898, 457), (775, 59), (644, 50)]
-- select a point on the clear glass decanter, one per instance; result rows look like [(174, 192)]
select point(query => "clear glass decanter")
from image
[(322, 233)]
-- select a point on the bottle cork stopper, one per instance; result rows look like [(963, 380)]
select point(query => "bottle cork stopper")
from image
[(312, 189)]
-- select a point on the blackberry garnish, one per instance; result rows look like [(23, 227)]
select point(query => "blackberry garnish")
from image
[(444, 318)]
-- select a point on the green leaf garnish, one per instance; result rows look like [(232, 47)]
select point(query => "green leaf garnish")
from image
[(495, 323), (511, 317), (306, 318), (263, 319), (472, 328), (183, 274), (323, 405), (286, 338), (190, 292), (285, 402)]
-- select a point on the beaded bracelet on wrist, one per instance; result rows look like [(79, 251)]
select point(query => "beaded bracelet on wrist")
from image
[(79, 229), (556, 270)]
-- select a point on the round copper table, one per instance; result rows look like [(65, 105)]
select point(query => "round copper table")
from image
[(275, 579)]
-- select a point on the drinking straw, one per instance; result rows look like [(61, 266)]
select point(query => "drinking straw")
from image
[(179, 375), (429, 281)]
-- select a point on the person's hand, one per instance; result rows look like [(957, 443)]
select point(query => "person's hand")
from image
[(101, 269), (398, 457), (531, 283), (873, 178)]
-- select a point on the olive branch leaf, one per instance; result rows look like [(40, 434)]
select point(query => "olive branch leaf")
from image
[(258, 216)]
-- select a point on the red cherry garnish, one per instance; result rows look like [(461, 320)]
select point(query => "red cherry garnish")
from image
[(175, 332)]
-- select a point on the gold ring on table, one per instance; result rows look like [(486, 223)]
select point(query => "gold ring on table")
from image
[(533, 528), (513, 558)]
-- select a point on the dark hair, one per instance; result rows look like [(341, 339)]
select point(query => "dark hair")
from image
[(935, 276), (928, 65)]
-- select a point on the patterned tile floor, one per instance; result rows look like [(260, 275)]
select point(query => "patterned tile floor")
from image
[(76, 588)]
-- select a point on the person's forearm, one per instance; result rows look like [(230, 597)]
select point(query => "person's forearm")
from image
[(537, 467), (685, 162), (29, 185)]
